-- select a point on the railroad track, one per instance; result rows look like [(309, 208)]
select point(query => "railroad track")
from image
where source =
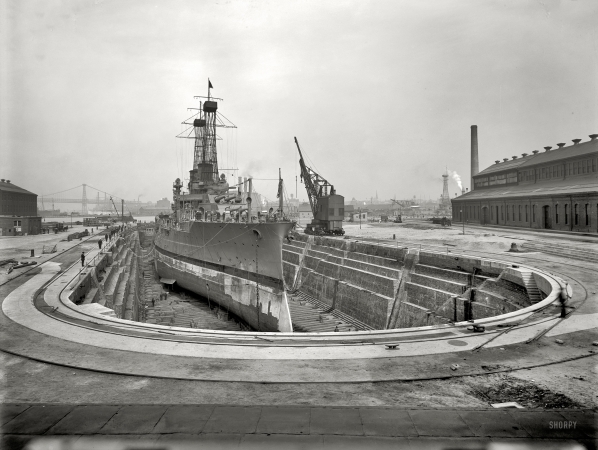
[(562, 250)]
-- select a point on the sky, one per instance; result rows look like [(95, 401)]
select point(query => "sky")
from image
[(380, 94)]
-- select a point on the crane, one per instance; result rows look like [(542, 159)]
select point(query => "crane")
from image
[(327, 207), (114, 207), (401, 204)]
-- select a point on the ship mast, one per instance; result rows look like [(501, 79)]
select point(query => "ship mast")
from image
[(206, 155), (203, 132)]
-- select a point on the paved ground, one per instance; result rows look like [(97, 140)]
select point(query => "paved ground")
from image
[(19, 248), (28, 382), (271, 426)]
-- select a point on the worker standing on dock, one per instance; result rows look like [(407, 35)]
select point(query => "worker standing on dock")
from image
[(100, 244), (82, 259)]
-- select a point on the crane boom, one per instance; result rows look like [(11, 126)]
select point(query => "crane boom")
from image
[(312, 192), (403, 203), (326, 206), (114, 206), (315, 184)]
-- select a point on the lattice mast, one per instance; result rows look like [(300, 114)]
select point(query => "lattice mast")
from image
[(205, 155)]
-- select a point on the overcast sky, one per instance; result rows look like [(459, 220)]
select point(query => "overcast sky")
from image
[(380, 94)]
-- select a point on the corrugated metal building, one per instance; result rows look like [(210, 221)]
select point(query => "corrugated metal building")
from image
[(18, 211), (554, 189)]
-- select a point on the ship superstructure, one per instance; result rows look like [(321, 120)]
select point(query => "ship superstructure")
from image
[(213, 243)]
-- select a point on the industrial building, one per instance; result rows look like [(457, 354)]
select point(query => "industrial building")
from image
[(18, 211), (305, 212), (554, 189)]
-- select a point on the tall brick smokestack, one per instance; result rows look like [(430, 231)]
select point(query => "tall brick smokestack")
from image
[(475, 165)]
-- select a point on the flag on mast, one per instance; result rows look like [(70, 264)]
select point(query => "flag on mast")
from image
[(210, 84)]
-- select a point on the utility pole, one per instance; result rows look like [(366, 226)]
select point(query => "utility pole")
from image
[(280, 194), (122, 209)]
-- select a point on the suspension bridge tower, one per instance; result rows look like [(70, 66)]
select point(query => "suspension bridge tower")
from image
[(84, 201)]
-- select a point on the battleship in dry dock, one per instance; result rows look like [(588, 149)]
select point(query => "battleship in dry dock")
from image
[(216, 244)]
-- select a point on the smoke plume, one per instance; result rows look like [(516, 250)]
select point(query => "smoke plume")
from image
[(455, 176)]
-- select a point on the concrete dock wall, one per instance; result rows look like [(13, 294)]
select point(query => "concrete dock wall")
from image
[(112, 279), (361, 285), (373, 284)]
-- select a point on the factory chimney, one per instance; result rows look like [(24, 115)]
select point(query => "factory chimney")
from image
[(475, 165)]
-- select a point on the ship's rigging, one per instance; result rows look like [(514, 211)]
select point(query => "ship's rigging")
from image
[(202, 129)]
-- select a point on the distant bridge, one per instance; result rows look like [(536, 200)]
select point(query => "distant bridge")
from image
[(96, 201)]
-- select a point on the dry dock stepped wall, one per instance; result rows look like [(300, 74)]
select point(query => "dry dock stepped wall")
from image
[(113, 281), (393, 287)]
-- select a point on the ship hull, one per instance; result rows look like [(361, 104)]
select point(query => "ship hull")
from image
[(237, 265)]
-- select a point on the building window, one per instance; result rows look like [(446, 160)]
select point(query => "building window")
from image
[(526, 216), (519, 213), (502, 212), (587, 214), (576, 217), (534, 213), (566, 214), (556, 213), (331, 211)]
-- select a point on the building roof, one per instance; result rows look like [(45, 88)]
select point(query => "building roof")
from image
[(506, 165), (554, 187), (544, 157), (9, 187)]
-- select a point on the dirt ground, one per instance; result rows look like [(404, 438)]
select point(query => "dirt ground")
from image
[(25, 380)]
